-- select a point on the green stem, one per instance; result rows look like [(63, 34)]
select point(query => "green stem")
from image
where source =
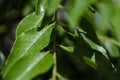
[(54, 67), (54, 56)]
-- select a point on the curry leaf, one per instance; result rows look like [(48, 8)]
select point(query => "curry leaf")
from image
[(30, 22), (30, 66), (28, 43)]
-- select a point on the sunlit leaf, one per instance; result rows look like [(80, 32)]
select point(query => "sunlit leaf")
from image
[(67, 48), (30, 22), (28, 43), (30, 66)]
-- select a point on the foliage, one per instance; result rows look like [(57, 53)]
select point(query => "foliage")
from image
[(69, 39)]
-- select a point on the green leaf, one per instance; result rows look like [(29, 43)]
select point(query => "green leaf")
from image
[(30, 22), (102, 20), (67, 48), (28, 43), (110, 13), (75, 9), (87, 26), (109, 44), (60, 77), (82, 48), (91, 61), (116, 22), (41, 5), (52, 6), (30, 66), (95, 46), (112, 49), (106, 10)]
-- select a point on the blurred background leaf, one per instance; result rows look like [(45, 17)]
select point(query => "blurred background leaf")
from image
[(87, 35)]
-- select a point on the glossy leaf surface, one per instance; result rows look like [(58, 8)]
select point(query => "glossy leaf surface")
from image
[(28, 42), (30, 22), (30, 66)]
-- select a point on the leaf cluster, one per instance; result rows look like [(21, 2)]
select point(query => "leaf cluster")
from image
[(67, 39)]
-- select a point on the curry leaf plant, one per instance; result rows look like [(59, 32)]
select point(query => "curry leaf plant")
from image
[(67, 40)]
